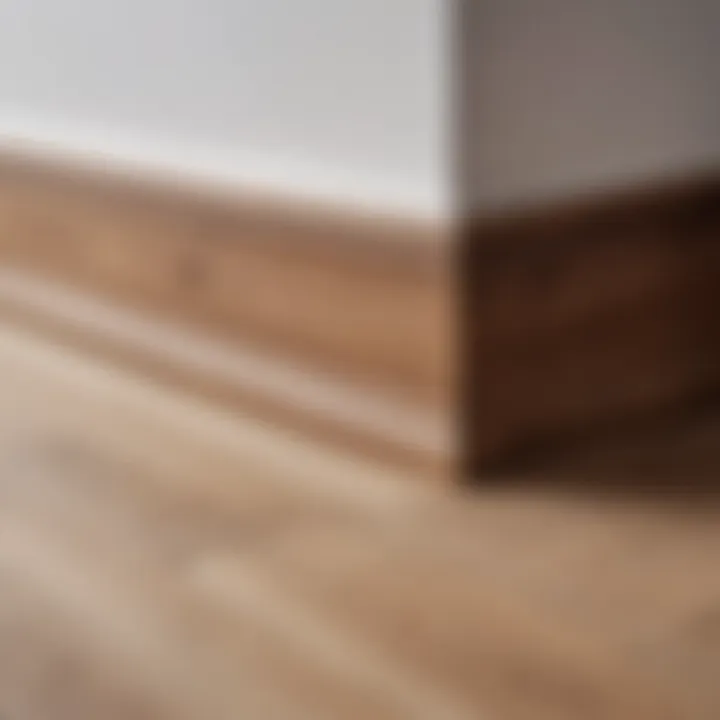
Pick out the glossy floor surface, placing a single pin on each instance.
(159, 560)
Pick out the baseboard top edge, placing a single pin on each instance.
(41, 159)
(667, 190)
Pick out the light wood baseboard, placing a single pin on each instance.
(337, 325)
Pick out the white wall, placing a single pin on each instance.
(341, 99)
(350, 99)
(571, 95)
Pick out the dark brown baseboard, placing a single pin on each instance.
(588, 313)
(355, 308)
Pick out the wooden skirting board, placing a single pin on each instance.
(336, 324)
(589, 315)
(436, 349)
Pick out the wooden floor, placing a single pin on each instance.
(159, 560)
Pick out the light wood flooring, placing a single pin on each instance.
(160, 560)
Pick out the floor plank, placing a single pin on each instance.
(159, 559)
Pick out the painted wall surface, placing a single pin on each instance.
(331, 98)
(351, 100)
(570, 95)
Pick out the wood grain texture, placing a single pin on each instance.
(162, 559)
(589, 313)
(559, 321)
(362, 301)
